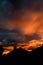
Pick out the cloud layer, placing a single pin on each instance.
(16, 36)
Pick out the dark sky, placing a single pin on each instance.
(7, 7)
(18, 4)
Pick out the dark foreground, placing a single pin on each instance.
(21, 56)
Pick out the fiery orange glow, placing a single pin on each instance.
(29, 46)
(7, 49)
(29, 23)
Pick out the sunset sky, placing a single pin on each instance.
(25, 16)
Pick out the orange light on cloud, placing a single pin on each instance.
(7, 50)
(29, 23)
(29, 46)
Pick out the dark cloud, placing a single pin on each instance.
(16, 36)
(7, 7)
(10, 36)
(31, 4)
(32, 37)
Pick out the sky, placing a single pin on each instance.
(8, 7)
(26, 16)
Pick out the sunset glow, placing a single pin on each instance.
(27, 24)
